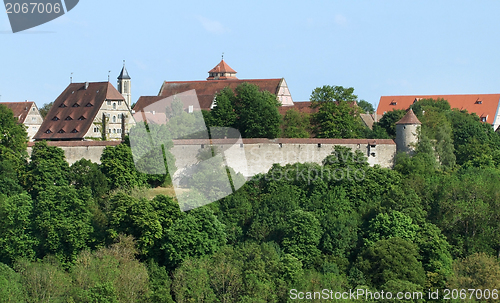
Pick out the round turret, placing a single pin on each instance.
(407, 132)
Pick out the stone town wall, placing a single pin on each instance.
(249, 156)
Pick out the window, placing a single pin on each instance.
(109, 131)
(114, 130)
(114, 105)
(48, 131)
(119, 130)
(55, 118)
(89, 105)
(109, 102)
(190, 110)
(74, 131)
(33, 109)
(33, 118)
(114, 119)
(96, 130)
(62, 105)
(393, 103)
(483, 119)
(76, 105)
(81, 118)
(68, 118)
(119, 103)
(61, 131)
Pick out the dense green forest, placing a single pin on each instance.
(90, 233)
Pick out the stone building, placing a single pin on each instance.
(407, 132)
(26, 113)
(77, 114)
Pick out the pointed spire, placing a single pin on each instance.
(124, 73)
(409, 118)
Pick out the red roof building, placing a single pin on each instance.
(77, 113)
(220, 76)
(26, 113)
(486, 106)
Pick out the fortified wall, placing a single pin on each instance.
(248, 156)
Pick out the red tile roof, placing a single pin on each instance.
(20, 109)
(74, 111)
(222, 67)
(409, 118)
(301, 107)
(205, 90)
(484, 105)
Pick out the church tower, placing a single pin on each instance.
(406, 132)
(124, 85)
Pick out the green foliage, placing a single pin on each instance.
(11, 288)
(223, 114)
(258, 115)
(86, 174)
(117, 164)
(328, 93)
(477, 271)
(196, 234)
(44, 281)
(110, 274)
(62, 223)
(48, 167)
(16, 239)
(13, 134)
(392, 259)
(366, 106)
(388, 122)
(296, 124)
(389, 225)
(302, 234)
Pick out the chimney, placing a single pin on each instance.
(86, 85)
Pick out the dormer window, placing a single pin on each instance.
(68, 118)
(61, 131)
(74, 131)
(62, 105)
(479, 101)
(55, 118)
(81, 118)
(483, 119)
(76, 105)
(393, 103)
(48, 131)
(89, 105)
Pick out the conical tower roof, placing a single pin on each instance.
(409, 118)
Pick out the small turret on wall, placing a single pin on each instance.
(407, 132)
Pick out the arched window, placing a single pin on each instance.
(114, 119)
(114, 105)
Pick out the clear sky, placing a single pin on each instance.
(378, 47)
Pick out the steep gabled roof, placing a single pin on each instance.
(409, 118)
(20, 109)
(74, 110)
(484, 105)
(206, 90)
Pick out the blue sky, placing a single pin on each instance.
(377, 47)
